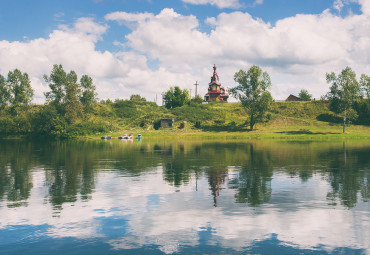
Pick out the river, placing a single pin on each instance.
(185, 197)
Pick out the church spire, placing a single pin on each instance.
(215, 78)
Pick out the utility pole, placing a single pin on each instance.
(196, 87)
(162, 98)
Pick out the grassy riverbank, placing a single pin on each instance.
(287, 120)
(299, 120)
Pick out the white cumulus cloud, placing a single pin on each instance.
(169, 48)
(218, 3)
(296, 51)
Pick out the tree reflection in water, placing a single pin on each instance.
(71, 167)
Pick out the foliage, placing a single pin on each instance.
(57, 81)
(304, 95)
(7, 125)
(300, 109)
(194, 113)
(362, 108)
(137, 98)
(87, 128)
(4, 92)
(21, 92)
(71, 99)
(197, 100)
(175, 97)
(365, 85)
(88, 94)
(138, 113)
(48, 122)
(253, 93)
(344, 91)
(72, 104)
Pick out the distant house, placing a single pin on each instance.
(167, 122)
(293, 98)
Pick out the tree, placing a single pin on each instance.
(197, 99)
(344, 91)
(137, 98)
(21, 92)
(72, 104)
(88, 96)
(253, 93)
(57, 81)
(47, 121)
(175, 97)
(304, 95)
(365, 85)
(4, 92)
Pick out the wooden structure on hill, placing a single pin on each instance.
(215, 91)
(167, 122)
(293, 98)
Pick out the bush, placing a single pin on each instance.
(157, 124)
(48, 122)
(362, 107)
(87, 128)
(7, 126)
(329, 117)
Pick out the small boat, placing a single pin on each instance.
(106, 137)
(123, 137)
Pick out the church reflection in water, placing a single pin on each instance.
(189, 196)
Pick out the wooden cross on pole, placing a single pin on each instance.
(196, 86)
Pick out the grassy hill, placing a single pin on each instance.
(285, 119)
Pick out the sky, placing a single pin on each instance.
(146, 46)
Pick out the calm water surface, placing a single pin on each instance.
(185, 197)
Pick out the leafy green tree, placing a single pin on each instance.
(304, 95)
(57, 81)
(48, 122)
(197, 99)
(365, 85)
(175, 97)
(88, 95)
(344, 91)
(137, 98)
(21, 92)
(67, 95)
(4, 92)
(253, 93)
(72, 104)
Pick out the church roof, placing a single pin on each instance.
(215, 79)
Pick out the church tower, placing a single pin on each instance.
(215, 91)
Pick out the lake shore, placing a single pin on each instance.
(309, 133)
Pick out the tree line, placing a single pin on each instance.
(348, 97)
(15, 91)
(71, 102)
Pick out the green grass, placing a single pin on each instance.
(287, 120)
(298, 120)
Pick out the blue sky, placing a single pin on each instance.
(30, 19)
(146, 46)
